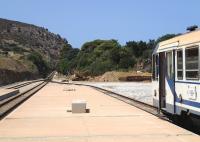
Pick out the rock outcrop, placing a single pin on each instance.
(19, 40)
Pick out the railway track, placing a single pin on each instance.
(141, 105)
(17, 86)
(10, 103)
(146, 107)
(23, 84)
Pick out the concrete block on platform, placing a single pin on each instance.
(79, 106)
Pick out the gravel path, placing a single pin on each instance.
(138, 90)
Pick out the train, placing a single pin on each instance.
(176, 77)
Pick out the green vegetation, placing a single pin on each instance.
(41, 64)
(41, 51)
(98, 56)
(67, 60)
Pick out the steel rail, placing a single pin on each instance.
(8, 104)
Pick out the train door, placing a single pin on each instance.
(166, 81)
(170, 81)
(162, 66)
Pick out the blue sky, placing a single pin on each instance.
(85, 20)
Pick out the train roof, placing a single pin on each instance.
(190, 38)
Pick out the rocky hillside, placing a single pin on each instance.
(28, 49)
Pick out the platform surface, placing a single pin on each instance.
(46, 117)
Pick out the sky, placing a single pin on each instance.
(80, 21)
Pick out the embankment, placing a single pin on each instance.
(9, 76)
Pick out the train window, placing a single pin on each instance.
(179, 64)
(155, 67)
(170, 72)
(192, 61)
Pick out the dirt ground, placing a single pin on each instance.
(115, 76)
(111, 76)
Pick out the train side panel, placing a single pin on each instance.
(188, 97)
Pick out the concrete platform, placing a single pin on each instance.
(4, 93)
(45, 117)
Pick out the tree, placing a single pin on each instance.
(67, 58)
(63, 66)
(126, 59)
(136, 48)
(40, 63)
(98, 56)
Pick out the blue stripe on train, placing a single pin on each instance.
(187, 102)
(178, 100)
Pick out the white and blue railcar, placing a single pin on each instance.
(176, 75)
